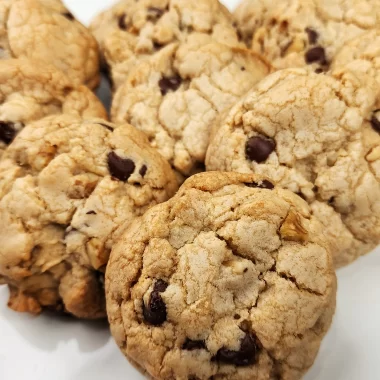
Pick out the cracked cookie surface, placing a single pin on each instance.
(30, 90)
(68, 188)
(304, 32)
(177, 96)
(310, 134)
(230, 279)
(134, 30)
(45, 30)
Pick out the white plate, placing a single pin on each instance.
(51, 348)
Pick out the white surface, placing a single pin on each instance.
(52, 348)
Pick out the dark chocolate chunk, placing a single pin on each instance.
(319, 70)
(155, 312)
(316, 54)
(191, 345)
(312, 36)
(120, 168)
(169, 84)
(91, 212)
(375, 122)
(69, 16)
(157, 46)
(247, 355)
(264, 184)
(143, 170)
(121, 22)
(7, 131)
(259, 148)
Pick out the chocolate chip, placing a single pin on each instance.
(155, 312)
(120, 168)
(91, 213)
(242, 68)
(264, 184)
(312, 35)
(169, 84)
(247, 355)
(121, 22)
(143, 170)
(316, 54)
(154, 13)
(106, 126)
(319, 70)
(7, 132)
(258, 148)
(191, 345)
(69, 16)
(157, 46)
(375, 122)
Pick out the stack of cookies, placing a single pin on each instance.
(241, 167)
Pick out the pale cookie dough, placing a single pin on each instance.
(297, 33)
(68, 189)
(231, 279)
(30, 90)
(132, 30)
(308, 132)
(45, 30)
(178, 95)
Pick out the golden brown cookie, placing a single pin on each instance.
(45, 30)
(30, 90)
(68, 188)
(310, 133)
(231, 279)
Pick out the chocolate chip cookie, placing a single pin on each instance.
(30, 90)
(133, 30)
(177, 95)
(45, 30)
(230, 279)
(68, 188)
(310, 133)
(298, 33)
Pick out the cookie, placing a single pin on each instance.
(68, 189)
(30, 90)
(309, 133)
(230, 279)
(130, 31)
(304, 32)
(45, 30)
(361, 56)
(177, 95)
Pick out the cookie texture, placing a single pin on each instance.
(304, 32)
(179, 94)
(45, 30)
(132, 30)
(68, 188)
(30, 90)
(310, 133)
(230, 279)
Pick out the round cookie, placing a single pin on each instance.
(30, 90)
(298, 33)
(68, 189)
(130, 31)
(45, 30)
(230, 279)
(309, 133)
(177, 95)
